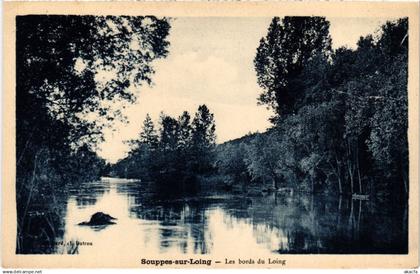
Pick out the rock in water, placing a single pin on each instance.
(99, 218)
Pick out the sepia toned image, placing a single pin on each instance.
(158, 135)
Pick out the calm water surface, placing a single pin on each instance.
(227, 224)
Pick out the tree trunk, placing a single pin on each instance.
(405, 186)
(336, 170)
(340, 186)
(358, 172)
(351, 176)
(339, 212)
(351, 217)
(312, 185)
(404, 176)
(350, 167)
(31, 188)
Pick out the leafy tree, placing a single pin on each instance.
(263, 159)
(169, 133)
(231, 162)
(70, 70)
(203, 128)
(148, 134)
(141, 156)
(281, 56)
(203, 139)
(388, 136)
(61, 61)
(185, 131)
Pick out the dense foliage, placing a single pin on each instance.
(290, 44)
(70, 70)
(174, 156)
(340, 121)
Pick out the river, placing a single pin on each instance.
(226, 224)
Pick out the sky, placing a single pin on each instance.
(210, 62)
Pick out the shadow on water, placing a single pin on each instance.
(274, 223)
(322, 225)
(41, 225)
(87, 194)
(183, 222)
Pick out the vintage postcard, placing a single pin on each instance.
(210, 135)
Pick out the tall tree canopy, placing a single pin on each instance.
(71, 69)
(203, 139)
(281, 56)
(341, 116)
(148, 134)
(203, 127)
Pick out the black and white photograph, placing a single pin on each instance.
(227, 139)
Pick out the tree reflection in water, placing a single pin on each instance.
(276, 223)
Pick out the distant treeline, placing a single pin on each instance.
(340, 122)
(173, 155)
